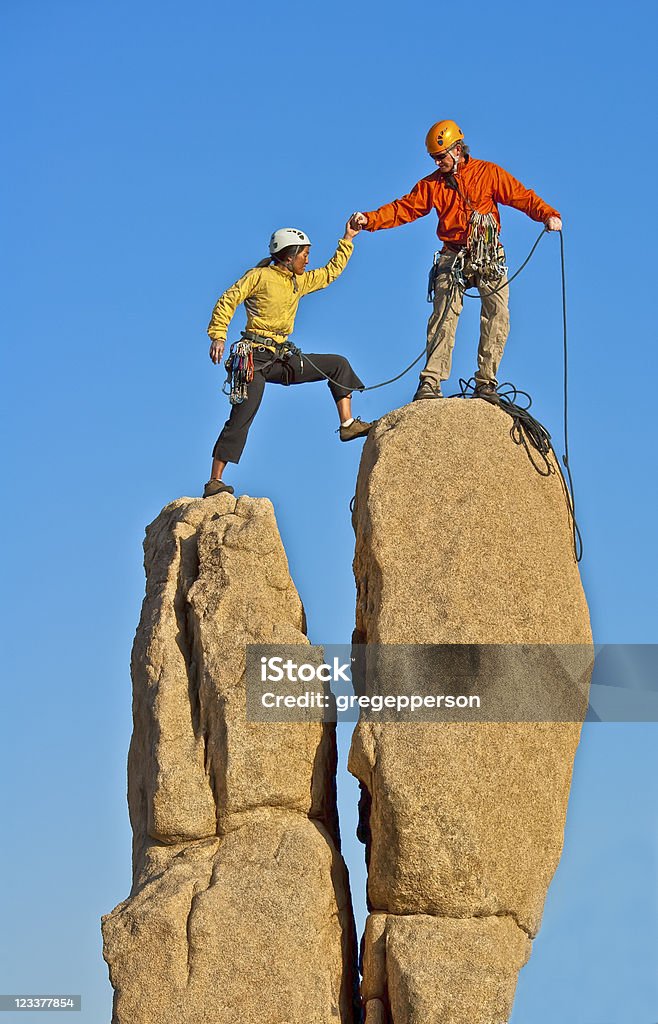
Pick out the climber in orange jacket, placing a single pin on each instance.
(465, 193)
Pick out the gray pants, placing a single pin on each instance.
(494, 325)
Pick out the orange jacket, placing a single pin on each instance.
(482, 185)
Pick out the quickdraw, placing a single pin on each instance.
(239, 371)
(482, 255)
(485, 253)
(240, 363)
(456, 271)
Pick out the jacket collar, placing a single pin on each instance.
(282, 270)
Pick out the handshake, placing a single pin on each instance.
(354, 225)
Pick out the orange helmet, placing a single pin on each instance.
(442, 136)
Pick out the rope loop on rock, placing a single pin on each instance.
(533, 436)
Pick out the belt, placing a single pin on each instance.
(281, 352)
(261, 341)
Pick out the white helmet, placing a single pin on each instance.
(284, 237)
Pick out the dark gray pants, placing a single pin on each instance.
(230, 443)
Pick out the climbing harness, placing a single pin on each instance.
(456, 271)
(239, 364)
(482, 256)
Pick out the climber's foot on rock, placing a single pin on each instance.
(357, 428)
(426, 389)
(216, 487)
(487, 390)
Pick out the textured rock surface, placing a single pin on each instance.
(430, 970)
(459, 540)
(240, 908)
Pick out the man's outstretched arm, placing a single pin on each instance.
(415, 204)
(511, 192)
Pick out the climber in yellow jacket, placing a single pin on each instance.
(271, 292)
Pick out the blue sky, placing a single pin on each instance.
(152, 150)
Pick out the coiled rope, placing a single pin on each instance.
(532, 435)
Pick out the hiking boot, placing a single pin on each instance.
(214, 487)
(487, 389)
(357, 428)
(426, 389)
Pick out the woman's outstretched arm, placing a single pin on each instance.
(313, 280)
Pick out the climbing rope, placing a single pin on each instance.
(529, 432)
(454, 286)
(577, 536)
(457, 283)
(525, 431)
(507, 283)
(391, 380)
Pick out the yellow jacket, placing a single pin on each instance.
(269, 296)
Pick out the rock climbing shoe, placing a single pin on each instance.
(216, 487)
(487, 390)
(426, 389)
(357, 428)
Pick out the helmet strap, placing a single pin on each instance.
(287, 263)
(450, 177)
